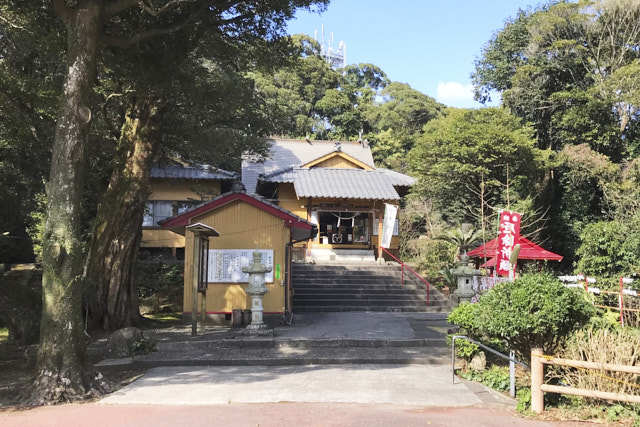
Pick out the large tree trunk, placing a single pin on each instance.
(113, 301)
(62, 373)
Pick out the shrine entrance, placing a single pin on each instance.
(344, 229)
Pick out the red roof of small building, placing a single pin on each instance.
(184, 219)
(528, 250)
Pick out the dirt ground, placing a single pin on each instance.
(16, 377)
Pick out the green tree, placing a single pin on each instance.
(94, 27)
(302, 95)
(30, 78)
(469, 148)
(397, 120)
(557, 67)
(610, 248)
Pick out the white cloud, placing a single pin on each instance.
(455, 94)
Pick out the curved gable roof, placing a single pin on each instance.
(292, 153)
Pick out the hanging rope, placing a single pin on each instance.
(352, 218)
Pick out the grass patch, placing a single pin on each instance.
(165, 317)
(4, 334)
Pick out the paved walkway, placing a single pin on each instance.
(422, 385)
(265, 415)
(366, 325)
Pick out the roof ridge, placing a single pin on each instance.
(313, 141)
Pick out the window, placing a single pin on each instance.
(157, 210)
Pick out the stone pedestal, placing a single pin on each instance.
(256, 291)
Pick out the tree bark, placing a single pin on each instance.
(62, 373)
(113, 302)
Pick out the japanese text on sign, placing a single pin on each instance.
(225, 265)
(508, 237)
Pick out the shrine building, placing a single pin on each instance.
(334, 185)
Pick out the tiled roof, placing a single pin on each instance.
(398, 179)
(192, 172)
(290, 153)
(343, 184)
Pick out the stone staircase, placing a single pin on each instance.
(360, 287)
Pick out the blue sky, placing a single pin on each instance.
(430, 44)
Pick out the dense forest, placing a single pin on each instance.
(92, 95)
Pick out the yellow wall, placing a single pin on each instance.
(183, 189)
(288, 200)
(241, 226)
(152, 238)
(337, 162)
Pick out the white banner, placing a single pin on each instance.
(225, 265)
(388, 223)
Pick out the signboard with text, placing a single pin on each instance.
(225, 265)
(508, 237)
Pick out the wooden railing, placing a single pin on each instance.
(404, 266)
(620, 294)
(538, 387)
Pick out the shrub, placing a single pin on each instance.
(535, 310)
(496, 377)
(464, 316)
(620, 346)
(609, 248)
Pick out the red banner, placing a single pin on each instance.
(508, 237)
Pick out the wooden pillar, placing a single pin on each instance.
(203, 309)
(380, 219)
(537, 379)
(194, 288)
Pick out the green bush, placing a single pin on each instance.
(610, 248)
(535, 310)
(464, 316)
(496, 377)
(464, 349)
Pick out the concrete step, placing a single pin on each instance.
(344, 267)
(325, 288)
(420, 355)
(342, 308)
(365, 305)
(358, 256)
(347, 281)
(356, 290)
(347, 287)
(284, 344)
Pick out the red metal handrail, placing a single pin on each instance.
(403, 266)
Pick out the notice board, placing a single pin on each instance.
(225, 265)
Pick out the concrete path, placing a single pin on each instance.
(365, 325)
(420, 385)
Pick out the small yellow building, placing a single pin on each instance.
(174, 190)
(245, 223)
(332, 184)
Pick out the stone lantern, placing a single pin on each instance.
(256, 291)
(464, 273)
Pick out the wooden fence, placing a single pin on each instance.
(538, 387)
(582, 281)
